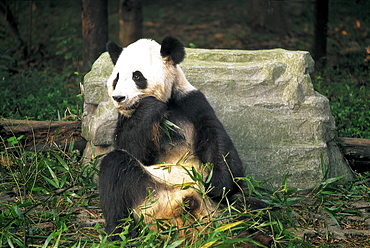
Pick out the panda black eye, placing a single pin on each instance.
(137, 75)
(139, 79)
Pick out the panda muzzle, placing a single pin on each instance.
(120, 99)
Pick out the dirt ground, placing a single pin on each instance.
(321, 230)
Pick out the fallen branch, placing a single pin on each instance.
(42, 135)
(356, 151)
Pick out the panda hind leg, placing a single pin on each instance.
(123, 185)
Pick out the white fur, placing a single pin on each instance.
(181, 86)
(168, 203)
(144, 56)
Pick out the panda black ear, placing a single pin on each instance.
(114, 51)
(173, 48)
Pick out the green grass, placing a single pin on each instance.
(41, 194)
(48, 199)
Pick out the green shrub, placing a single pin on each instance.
(349, 96)
(39, 95)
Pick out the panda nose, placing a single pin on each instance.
(119, 98)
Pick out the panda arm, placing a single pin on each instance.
(139, 133)
(212, 143)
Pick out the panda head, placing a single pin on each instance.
(144, 69)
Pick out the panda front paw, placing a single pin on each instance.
(150, 107)
(149, 101)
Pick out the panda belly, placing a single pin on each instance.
(178, 194)
(172, 173)
(177, 157)
(178, 202)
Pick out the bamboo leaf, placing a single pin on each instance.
(176, 243)
(228, 226)
(209, 244)
(62, 162)
(181, 185)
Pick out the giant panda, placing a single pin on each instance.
(167, 135)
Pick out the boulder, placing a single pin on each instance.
(266, 101)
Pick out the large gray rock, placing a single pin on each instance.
(266, 101)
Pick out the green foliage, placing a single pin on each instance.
(68, 46)
(41, 195)
(40, 95)
(44, 83)
(349, 95)
(44, 195)
(298, 210)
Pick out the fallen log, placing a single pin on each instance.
(356, 151)
(43, 135)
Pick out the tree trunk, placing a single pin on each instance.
(8, 17)
(94, 29)
(321, 32)
(130, 21)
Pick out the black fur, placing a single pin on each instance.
(135, 134)
(212, 143)
(115, 81)
(173, 48)
(114, 51)
(123, 184)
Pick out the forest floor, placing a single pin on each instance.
(322, 230)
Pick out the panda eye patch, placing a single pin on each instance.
(139, 79)
(115, 81)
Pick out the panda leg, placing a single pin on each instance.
(123, 185)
